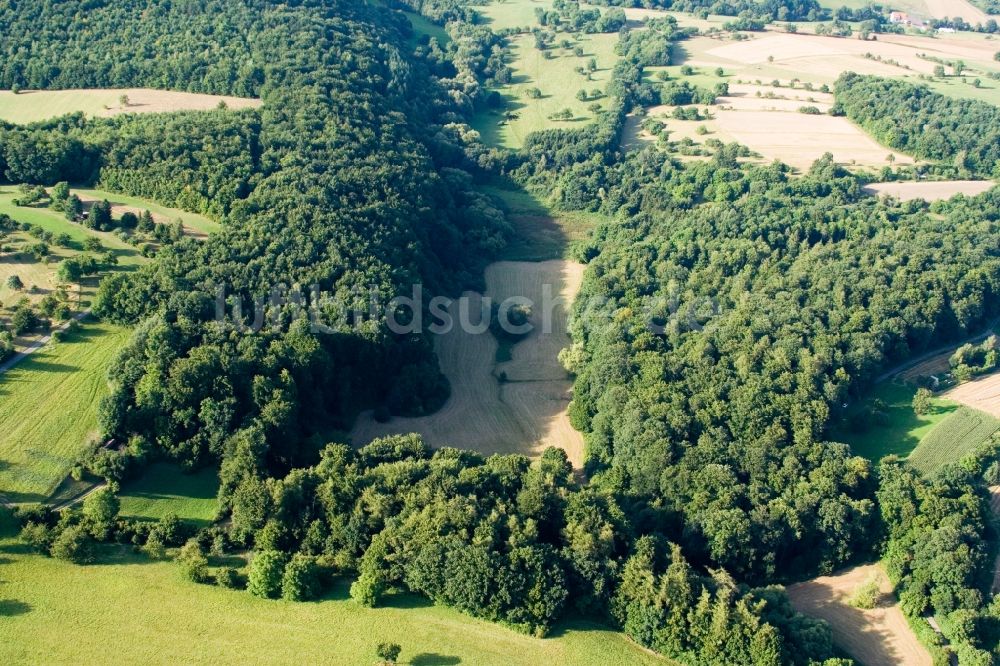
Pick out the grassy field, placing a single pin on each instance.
(161, 214)
(57, 223)
(128, 610)
(540, 233)
(988, 90)
(955, 436)
(422, 26)
(502, 14)
(164, 489)
(903, 430)
(34, 105)
(48, 409)
(558, 82)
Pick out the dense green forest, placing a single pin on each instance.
(964, 133)
(729, 312)
(203, 162)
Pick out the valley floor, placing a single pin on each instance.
(500, 404)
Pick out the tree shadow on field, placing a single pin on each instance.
(22, 498)
(405, 601)
(577, 624)
(432, 659)
(679, 54)
(11, 607)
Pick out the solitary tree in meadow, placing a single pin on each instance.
(922, 401)
(388, 653)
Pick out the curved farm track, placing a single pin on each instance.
(873, 637)
(515, 405)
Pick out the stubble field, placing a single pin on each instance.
(500, 405)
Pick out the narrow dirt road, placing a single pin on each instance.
(20, 356)
(873, 637)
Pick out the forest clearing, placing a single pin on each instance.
(498, 405)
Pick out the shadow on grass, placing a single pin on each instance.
(679, 54)
(112, 554)
(538, 233)
(899, 434)
(11, 607)
(23, 498)
(577, 624)
(433, 659)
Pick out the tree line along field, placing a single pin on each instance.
(34, 105)
(58, 613)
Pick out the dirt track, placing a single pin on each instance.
(875, 637)
(527, 412)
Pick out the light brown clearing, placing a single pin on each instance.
(33, 105)
(982, 393)
(930, 191)
(873, 637)
(799, 139)
(525, 414)
(746, 97)
(145, 100)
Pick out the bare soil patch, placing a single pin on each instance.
(510, 406)
(930, 191)
(873, 637)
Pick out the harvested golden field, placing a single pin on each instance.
(799, 139)
(963, 9)
(982, 394)
(500, 405)
(873, 637)
(778, 55)
(929, 191)
(34, 105)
